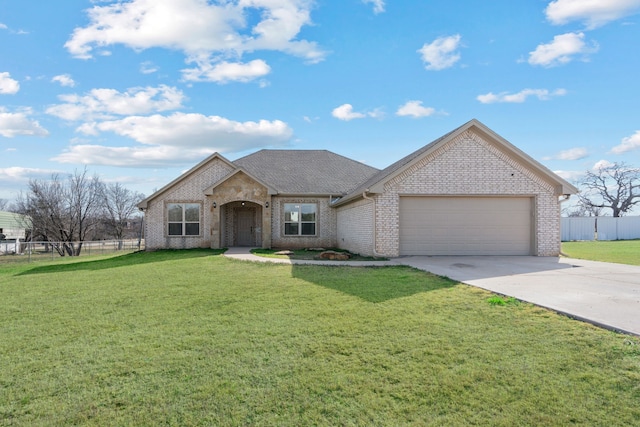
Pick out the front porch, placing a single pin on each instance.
(242, 223)
(240, 212)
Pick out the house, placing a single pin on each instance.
(470, 192)
(12, 231)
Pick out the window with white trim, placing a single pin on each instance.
(183, 219)
(300, 219)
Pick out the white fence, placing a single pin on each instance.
(10, 246)
(600, 228)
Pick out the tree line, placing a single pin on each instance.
(69, 210)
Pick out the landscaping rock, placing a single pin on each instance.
(284, 253)
(334, 256)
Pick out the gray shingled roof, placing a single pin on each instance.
(306, 171)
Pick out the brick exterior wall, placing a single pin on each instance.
(469, 165)
(325, 224)
(217, 224)
(355, 226)
(189, 190)
(465, 166)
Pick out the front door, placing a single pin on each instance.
(246, 227)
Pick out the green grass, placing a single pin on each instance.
(192, 338)
(42, 256)
(619, 251)
(306, 254)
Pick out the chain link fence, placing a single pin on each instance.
(19, 251)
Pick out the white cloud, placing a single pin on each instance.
(593, 12)
(20, 174)
(345, 112)
(189, 25)
(629, 143)
(441, 53)
(148, 67)
(8, 86)
(19, 123)
(206, 32)
(18, 32)
(178, 138)
(415, 109)
(225, 72)
(602, 164)
(561, 50)
(577, 153)
(105, 103)
(196, 130)
(570, 176)
(378, 5)
(541, 94)
(64, 80)
(130, 156)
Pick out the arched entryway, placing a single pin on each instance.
(242, 224)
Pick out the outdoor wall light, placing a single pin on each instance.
(242, 203)
(214, 205)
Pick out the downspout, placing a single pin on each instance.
(375, 225)
(141, 229)
(563, 199)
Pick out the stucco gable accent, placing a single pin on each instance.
(185, 176)
(209, 191)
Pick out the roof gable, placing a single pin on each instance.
(188, 174)
(376, 183)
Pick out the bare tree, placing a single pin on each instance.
(4, 204)
(580, 209)
(616, 187)
(119, 207)
(63, 212)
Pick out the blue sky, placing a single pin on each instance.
(141, 90)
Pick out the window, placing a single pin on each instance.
(183, 219)
(300, 219)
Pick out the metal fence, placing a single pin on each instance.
(12, 251)
(600, 228)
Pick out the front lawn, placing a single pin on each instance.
(192, 338)
(620, 251)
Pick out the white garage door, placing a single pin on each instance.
(465, 225)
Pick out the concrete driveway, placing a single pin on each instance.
(602, 293)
